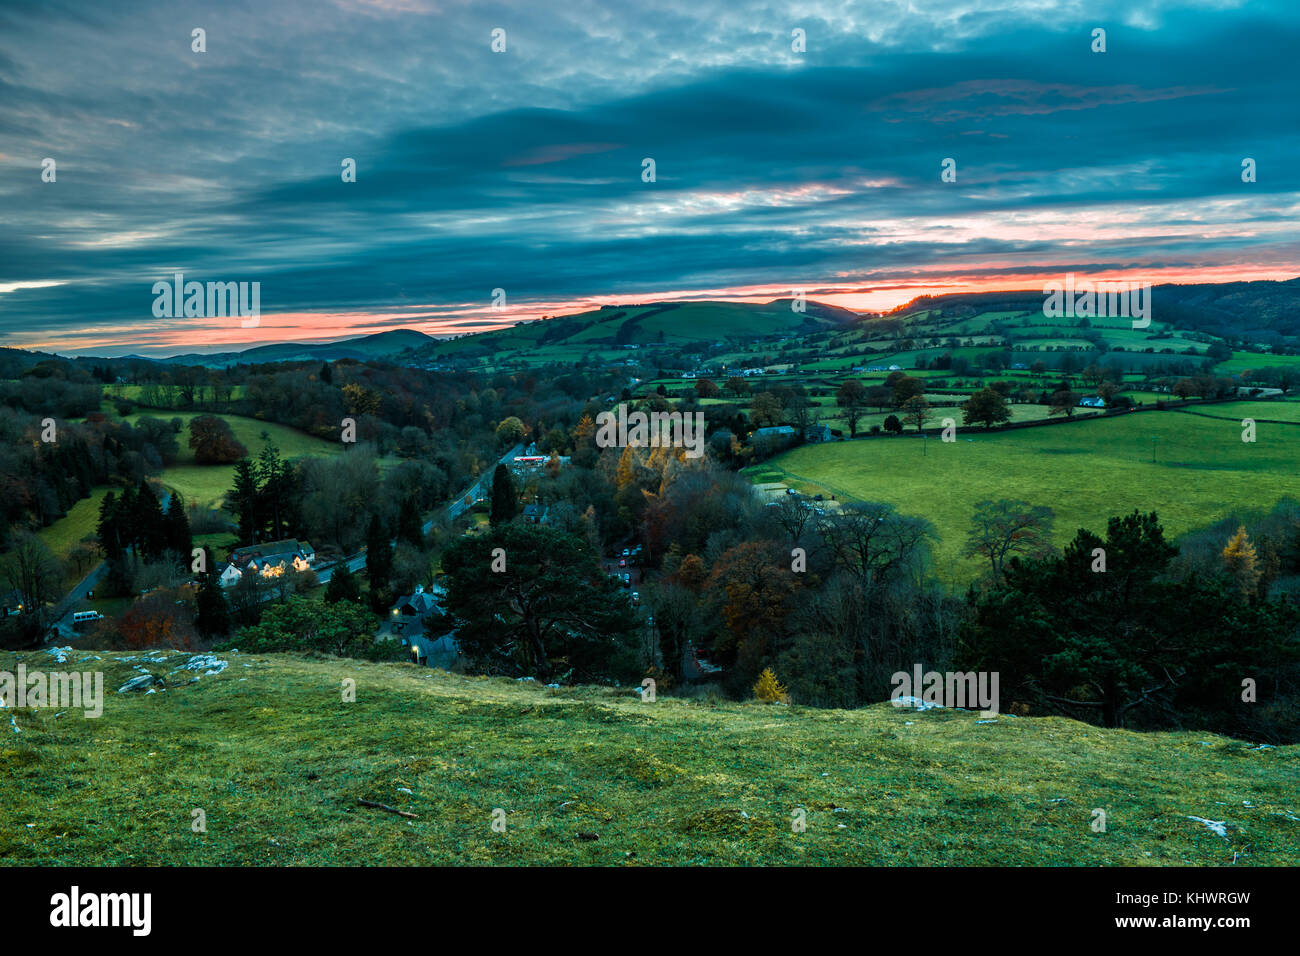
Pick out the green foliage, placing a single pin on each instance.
(551, 610)
(505, 500)
(1129, 645)
(300, 624)
(342, 586)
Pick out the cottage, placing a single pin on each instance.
(269, 559)
(535, 514)
(817, 433)
(1092, 401)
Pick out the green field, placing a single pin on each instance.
(587, 775)
(1086, 470)
(208, 484)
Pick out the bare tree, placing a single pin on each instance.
(1007, 527)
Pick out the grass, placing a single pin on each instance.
(277, 763)
(208, 484)
(82, 519)
(1086, 471)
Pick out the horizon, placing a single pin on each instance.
(534, 314)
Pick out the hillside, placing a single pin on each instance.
(568, 337)
(380, 345)
(593, 776)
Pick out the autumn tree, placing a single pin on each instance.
(1240, 559)
(214, 441)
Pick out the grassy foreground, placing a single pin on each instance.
(275, 759)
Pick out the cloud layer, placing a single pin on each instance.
(522, 170)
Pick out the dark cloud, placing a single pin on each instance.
(523, 170)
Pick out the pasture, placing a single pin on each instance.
(1189, 468)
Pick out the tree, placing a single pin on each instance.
(737, 386)
(211, 612)
(409, 528)
(766, 409)
(214, 441)
(985, 407)
(905, 389)
(109, 528)
(245, 500)
(545, 606)
(916, 411)
(706, 388)
(751, 594)
(505, 500)
(1006, 527)
(1127, 640)
(511, 431)
(148, 523)
(379, 564)
(31, 569)
(343, 586)
(327, 374)
(1063, 402)
(1240, 559)
(894, 425)
(176, 530)
(852, 397)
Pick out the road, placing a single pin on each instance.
(61, 625)
(481, 488)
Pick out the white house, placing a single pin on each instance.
(269, 559)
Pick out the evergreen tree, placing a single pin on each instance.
(211, 612)
(177, 530)
(244, 500)
(343, 586)
(505, 500)
(408, 524)
(271, 470)
(125, 519)
(327, 374)
(379, 564)
(110, 534)
(148, 519)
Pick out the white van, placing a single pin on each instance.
(85, 617)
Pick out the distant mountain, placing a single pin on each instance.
(669, 323)
(380, 345)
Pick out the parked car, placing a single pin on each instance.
(636, 599)
(627, 580)
(791, 491)
(622, 562)
(626, 552)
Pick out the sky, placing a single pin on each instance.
(524, 170)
